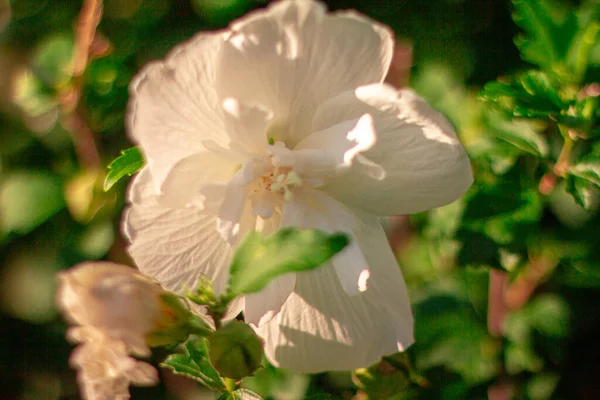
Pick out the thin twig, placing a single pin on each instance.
(83, 137)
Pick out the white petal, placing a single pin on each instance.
(425, 164)
(235, 203)
(261, 307)
(344, 143)
(247, 124)
(184, 183)
(321, 328)
(293, 56)
(314, 209)
(174, 105)
(230, 214)
(175, 246)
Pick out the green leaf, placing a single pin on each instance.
(579, 188)
(581, 49)
(52, 60)
(259, 259)
(588, 167)
(542, 386)
(530, 94)
(543, 89)
(587, 170)
(506, 212)
(27, 199)
(128, 163)
(195, 364)
(240, 394)
(549, 31)
(518, 133)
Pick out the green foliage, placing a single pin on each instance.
(259, 259)
(580, 190)
(384, 379)
(195, 364)
(240, 394)
(53, 60)
(235, 350)
(531, 94)
(556, 38)
(27, 199)
(588, 167)
(128, 163)
(518, 133)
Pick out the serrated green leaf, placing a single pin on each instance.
(549, 31)
(579, 54)
(580, 190)
(518, 133)
(543, 89)
(507, 212)
(128, 163)
(195, 364)
(240, 394)
(259, 259)
(588, 167)
(587, 170)
(531, 94)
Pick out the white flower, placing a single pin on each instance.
(113, 308)
(283, 120)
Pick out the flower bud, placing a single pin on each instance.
(116, 300)
(235, 350)
(116, 311)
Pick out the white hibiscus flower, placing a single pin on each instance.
(283, 120)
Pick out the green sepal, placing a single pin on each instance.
(128, 163)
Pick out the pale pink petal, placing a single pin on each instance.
(292, 54)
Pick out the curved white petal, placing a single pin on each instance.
(314, 209)
(175, 246)
(424, 163)
(247, 124)
(235, 217)
(321, 328)
(174, 105)
(344, 143)
(184, 184)
(295, 56)
(261, 307)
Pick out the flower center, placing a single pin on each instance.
(277, 183)
(281, 180)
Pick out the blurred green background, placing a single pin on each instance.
(58, 132)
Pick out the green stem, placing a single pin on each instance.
(230, 384)
(564, 158)
(199, 330)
